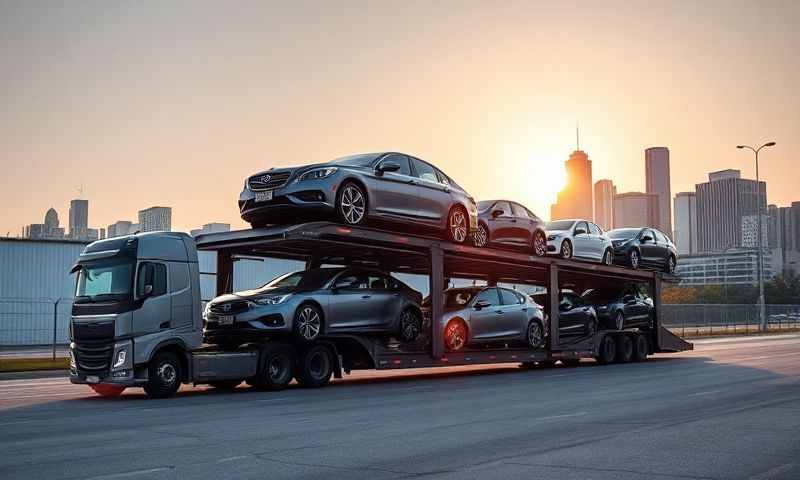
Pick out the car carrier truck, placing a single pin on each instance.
(137, 315)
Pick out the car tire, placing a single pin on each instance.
(351, 204)
(163, 375)
(624, 349)
(314, 367)
(535, 334)
(566, 251)
(641, 348)
(607, 351)
(634, 259)
(410, 325)
(669, 267)
(481, 236)
(278, 369)
(455, 335)
(539, 244)
(308, 323)
(225, 384)
(619, 321)
(608, 257)
(457, 225)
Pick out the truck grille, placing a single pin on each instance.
(93, 331)
(93, 358)
(233, 307)
(269, 180)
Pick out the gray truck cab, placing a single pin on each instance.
(136, 312)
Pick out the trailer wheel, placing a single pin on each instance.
(641, 347)
(608, 350)
(107, 390)
(314, 367)
(624, 349)
(163, 375)
(278, 369)
(225, 384)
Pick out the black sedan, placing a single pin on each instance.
(502, 222)
(577, 319)
(621, 308)
(643, 247)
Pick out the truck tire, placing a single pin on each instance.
(163, 375)
(314, 367)
(641, 348)
(607, 351)
(624, 349)
(278, 369)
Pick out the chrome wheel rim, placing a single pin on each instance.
(539, 245)
(352, 204)
(456, 336)
(458, 226)
(481, 236)
(534, 334)
(409, 326)
(309, 323)
(634, 259)
(167, 373)
(607, 258)
(566, 250)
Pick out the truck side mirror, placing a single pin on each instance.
(148, 290)
(147, 273)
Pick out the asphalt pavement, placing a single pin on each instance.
(728, 410)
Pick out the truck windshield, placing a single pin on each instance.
(104, 281)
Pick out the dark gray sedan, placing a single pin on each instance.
(379, 187)
(482, 315)
(316, 302)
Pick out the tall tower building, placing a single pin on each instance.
(656, 163)
(686, 223)
(78, 218)
(635, 209)
(722, 205)
(575, 200)
(155, 219)
(604, 191)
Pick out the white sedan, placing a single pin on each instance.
(581, 239)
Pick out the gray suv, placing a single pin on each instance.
(316, 302)
(379, 187)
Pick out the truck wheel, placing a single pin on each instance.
(608, 350)
(107, 390)
(163, 375)
(277, 371)
(624, 349)
(225, 384)
(314, 367)
(641, 348)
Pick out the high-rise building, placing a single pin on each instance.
(635, 209)
(119, 228)
(685, 234)
(733, 267)
(155, 219)
(656, 163)
(211, 228)
(783, 235)
(47, 230)
(604, 191)
(722, 203)
(78, 218)
(575, 200)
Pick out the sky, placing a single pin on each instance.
(176, 103)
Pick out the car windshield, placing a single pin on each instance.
(104, 280)
(305, 280)
(560, 225)
(485, 205)
(360, 160)
(623, 233)
(600, 295)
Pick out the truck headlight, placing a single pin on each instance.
(272, 300)
(317, 174)
(122, 355)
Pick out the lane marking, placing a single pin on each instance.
(699, 394)
(773, 472)
(131, 474)
(232, 459)
(579, 414)
(40, 396)
(268, 400)
(760, 357)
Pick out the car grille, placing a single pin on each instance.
(269, 180)
(93, 358)
(234, 307)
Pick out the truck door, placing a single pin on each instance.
(153, 310)
(180, 293)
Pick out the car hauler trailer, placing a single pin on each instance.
(172, 353)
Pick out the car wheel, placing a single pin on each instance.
(455, 335)
(619, 321)
(670, 266)
(107, 390)
(307, 323)
(625, 349)
(535, 335)
(225, 384)
(641, 348)
(633, 259)
(315, 367)
(607, 350)
(539, 244)
(481, 236)
(163, 375)
(566, 249)
(410, 325)
(352, 204)
(457, 227)
(608, 257)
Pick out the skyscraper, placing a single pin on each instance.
(119, 228)
(213, 227)
(604, 191)
(575, 200)
(686, 223)
(722, 203)
(656, 162)
(78, 218)
(635, 209)
(155, 219)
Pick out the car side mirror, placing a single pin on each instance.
(629, 299)
(388, 167)
(580, 231)
(565, 306)
(497, 212)
(481, 304)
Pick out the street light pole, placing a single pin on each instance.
(762, 305)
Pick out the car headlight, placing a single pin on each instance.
(272, 300)
(317, 174)
(550, 238)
